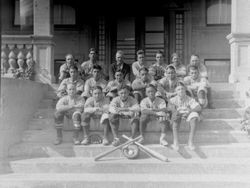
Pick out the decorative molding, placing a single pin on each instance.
(238, 37)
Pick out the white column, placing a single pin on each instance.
(239, 40)
(43, 40)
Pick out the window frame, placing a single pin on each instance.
(214, 24)
(207, 60)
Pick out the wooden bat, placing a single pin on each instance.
(116, 148)
(148, 151)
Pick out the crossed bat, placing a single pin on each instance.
(145, 149)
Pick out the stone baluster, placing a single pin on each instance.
(12, 60)
(20, 61)
(29, 60)
(4, 62)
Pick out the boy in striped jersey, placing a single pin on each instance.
(154, 108)
(96, 107)
(184, 107)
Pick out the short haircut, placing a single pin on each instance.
(195, 55)
(151, 86)
(174, 55)
(73, 67)
(152, 68)
(69, 55)
(124, 86)
(143, 69)
(120, 52)
(159, 52)
(171, 67)
(139, 52)
(98, 67)
(97, 87)
(71, 84)
(118, 70)
(193, 67)
(92, 50)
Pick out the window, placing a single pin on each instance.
(64, 15)
(218, 12)
(23, 13)
(218, 70)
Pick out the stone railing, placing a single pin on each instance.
(16, 55)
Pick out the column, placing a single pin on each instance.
(43, 48)
(239, 39)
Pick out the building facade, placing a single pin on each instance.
(217, 30)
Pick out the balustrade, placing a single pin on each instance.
(16, 56)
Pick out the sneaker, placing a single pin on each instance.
(175, 147)
(105, 142)
(76, 142)
(58, 141)
(116, 142)
(163, 142)
(85, 141)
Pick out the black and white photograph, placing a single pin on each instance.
(125, 94)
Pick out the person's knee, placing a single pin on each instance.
(58, 117)
(144, 118)
(113, 118)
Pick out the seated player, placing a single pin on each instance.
(73, 79)
(203, 72)
(120, 65)
(169, 83)
(197, 86)
(140, 63)
(123, 106)
(180, 68)
(160, 66)
(111, 88)
(154, 108)
(96, 80)
(96, 107)
(70, 106)
(64, 68)
(139, 84)
(87, 66)
(154, 81)
(184, 107)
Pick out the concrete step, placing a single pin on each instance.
(121, 166)
(66, 149)
(223, 86)
(228, 103)
(223, 113)
(218, 113)
(202, 136)
(226, 94)
(133, 180)
(206, 124)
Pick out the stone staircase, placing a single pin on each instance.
(222, 158)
